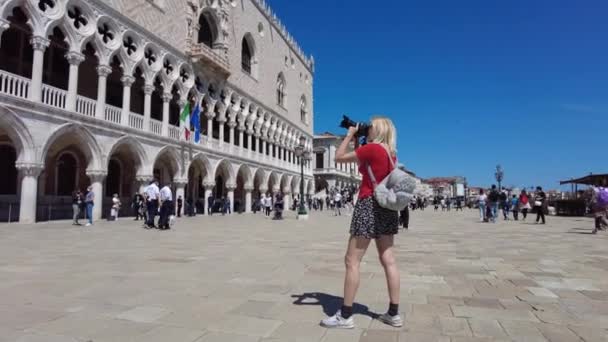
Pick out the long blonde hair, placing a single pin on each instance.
(385, 133)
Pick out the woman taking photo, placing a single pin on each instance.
(370, 221)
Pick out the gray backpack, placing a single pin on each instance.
(396, 190)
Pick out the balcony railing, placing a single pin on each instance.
(207, 57)
(14, 85)
(54, 97)
(156, 126)
(136, 121)
(113, 114)
(17, 86)
(86, 106)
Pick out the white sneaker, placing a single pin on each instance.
(87, 225)
(394, 321)
(339, 322)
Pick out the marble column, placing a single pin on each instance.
(148, 90)
(209, 115)
(231, 126)
(102, 82)
(97, 179)
(74, 59)
(221, 125)
(29, 191)
(180, 190)
(127, 82)
(230, 188)
(257, 142)
(39, 45)
(249, 140)
(262, 145)
(165, 124)
(286, 197)
(248, 200)
(241, 136)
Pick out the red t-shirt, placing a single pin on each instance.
(376, 156)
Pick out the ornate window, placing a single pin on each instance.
(303, 110)
(207, 32)
(246, 56)
(281, 92)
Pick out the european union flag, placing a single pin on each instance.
(195, 120)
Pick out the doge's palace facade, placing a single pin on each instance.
(91, 93)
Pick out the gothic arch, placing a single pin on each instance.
(134, 147)
(224, 168)
(19, 135)
(170, 155)
(245, 171)
(83, 137)
(202, 162)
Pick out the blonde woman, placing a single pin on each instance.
(370, 221)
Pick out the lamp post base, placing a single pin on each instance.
(302, 217)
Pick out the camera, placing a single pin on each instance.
(363, 130)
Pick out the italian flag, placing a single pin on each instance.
(183, 119)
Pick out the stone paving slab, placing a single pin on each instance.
(245, 278)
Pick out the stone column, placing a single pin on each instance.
(231, 126)
(39, 44)
(180, 191)
(257, 142)
(286, 196)
(230, 188)
(249, 140)
(209, 114)
(263, 189)
(248, 190)
(97, 179)
(165, 125)
(29, 191)
(127, 82)
(102, 81)
(241, 136)
(74, 59)
(262, 145)
(221, 132)
(148, 90)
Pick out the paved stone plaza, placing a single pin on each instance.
(246, 278)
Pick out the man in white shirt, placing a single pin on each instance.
(337, 203)
(166, 207)
(152, 195)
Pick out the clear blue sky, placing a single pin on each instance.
(469, 84)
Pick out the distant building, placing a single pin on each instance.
(327, 173)
(447, 186)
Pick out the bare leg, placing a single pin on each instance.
(384, 244)
(355, 252)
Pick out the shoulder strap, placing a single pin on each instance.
(369, 168)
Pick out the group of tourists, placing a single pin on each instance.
(447, 203)
(83, 203)
(492, 201)
(267, 204)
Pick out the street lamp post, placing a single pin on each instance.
(499, 176)
(303, 156)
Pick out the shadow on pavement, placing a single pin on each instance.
(331, 304)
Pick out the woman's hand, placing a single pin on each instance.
(352, 131)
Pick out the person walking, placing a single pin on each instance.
(89, 201)
(599, 204)
(370, 221)
(115, 207)
(166, 207)
(493, 199)
(180, 204)
(76, 204)
(136, 205)
(152, 196)
(539, 204)
(505, 204)
(210, 202)
(268, 205)
(482, 201)
(515, 207)
(337, 204)
(524, 204)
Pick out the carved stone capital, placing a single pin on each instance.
(104, 70)
(231, 124)
(209, 185)
(148, 89)
(287, 190)
(74, 58)
(144, 178)
(180, 182)
(241, 128)
(248, 188)
(263, 189)
(231, 186)
(96, 176)
(39, 43)
(127, 80)
(29, 169)
(167, 97)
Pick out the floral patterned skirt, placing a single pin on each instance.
(371, 221)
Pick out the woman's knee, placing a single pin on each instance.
(352, 261)
(387, 259)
